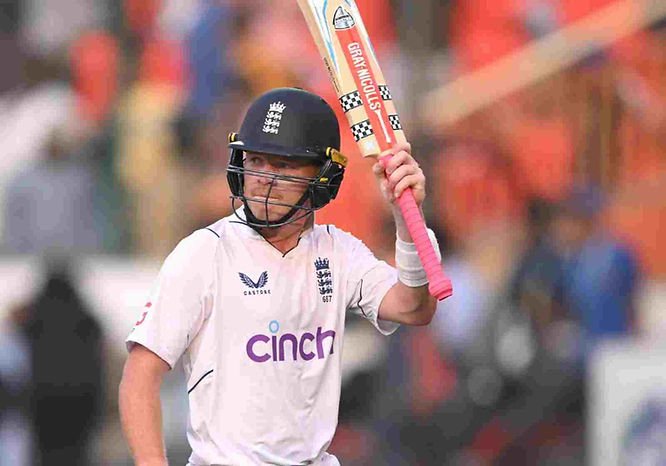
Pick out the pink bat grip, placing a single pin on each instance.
(439, 286)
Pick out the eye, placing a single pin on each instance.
(252, 160)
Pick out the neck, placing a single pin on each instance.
(285, 238)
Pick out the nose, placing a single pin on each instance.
(265, 179)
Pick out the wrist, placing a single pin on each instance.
(408, 263)
(402, 233)
(401, 229)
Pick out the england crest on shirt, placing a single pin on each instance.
(324, 279)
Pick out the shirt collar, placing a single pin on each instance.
(246, 231)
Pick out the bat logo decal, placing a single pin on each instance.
(342, 19)
(247, 281)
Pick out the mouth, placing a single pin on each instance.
(262, 200)
(262, 197)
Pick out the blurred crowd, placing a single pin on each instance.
(52, 380)
(548, 204)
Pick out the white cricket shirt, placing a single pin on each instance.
(260, 335)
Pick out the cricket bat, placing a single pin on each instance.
(349, 57)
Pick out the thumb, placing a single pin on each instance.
(378, 169)
(383, 186)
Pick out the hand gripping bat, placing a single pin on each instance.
(343, 43)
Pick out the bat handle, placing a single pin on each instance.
(439, 285)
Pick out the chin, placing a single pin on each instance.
(273, 214)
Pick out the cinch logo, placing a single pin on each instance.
(255, 288)
(261, 348)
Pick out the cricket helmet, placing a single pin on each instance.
(293, 123)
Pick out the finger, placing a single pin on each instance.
(400, 158)
(401, 172)
(378, 172)
(378, 169)
(416, 182)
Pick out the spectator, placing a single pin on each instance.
(534, 287)
(147, 147)
(15, 432)
(35, 101)
(601, 272)
(49, 207)
(48, 27)
(65, 341)
(10, 17)
(210, 63)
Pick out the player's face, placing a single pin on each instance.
(270, 198)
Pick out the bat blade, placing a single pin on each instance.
(343, 43)
(354, 70)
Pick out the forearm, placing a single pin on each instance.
(141, 418)
(417, 305)
(409, 300)
(408, 305)
(400, 226)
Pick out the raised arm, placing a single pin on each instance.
(408, 301)
(140, 407)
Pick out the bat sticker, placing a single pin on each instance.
(351, 101)
(342, 19)
(385, 92)
(362, 130)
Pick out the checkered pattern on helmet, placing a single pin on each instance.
(362, 130)
(351, 101)
(395, 122)
(385, 93)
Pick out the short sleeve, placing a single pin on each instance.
(368, 282)
(180, 300)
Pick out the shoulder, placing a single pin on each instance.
(335, 234)
(343, 244)
(193, 251)
(203, 240)
(220, 228)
